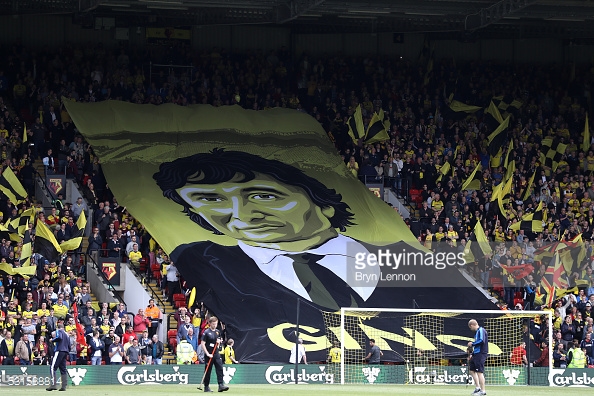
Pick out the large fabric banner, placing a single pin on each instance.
(258, 211)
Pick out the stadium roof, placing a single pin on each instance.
(571, 19)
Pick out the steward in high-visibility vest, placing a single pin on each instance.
(185, 352)
(578, 357)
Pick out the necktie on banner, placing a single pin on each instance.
(323, 286)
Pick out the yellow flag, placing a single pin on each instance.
(474, 181)
(529, 186)
(509, 150)
(77, 234)
(481, 238)
(510, 169)
(495, 161)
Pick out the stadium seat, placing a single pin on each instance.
(157, 275)
(179, 304)
(172, 338)
(143, 265)
(496, 285)
(179, 297)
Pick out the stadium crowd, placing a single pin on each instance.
(424, 135)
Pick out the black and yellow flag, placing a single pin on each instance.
(12, 187)
(509, 150)
(510, 169)
(574, 254)
(457, 107)
(492, 117)
(356, 127)
(563, 292)
(46, 244)
(495, 161)
(586, 142)
(528, 190)
(531, 222)
(17, 226)
(376, 131)
(478, 245)
(507, 104)
(77, 234)
(502, 195)
(498, 137)
(443, 171)
(474, 180)
(551, 153)
(26, 250)
(25, 137)
(429, 68)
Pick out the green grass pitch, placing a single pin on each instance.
(298, 390)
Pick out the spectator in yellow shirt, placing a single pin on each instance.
(134, 256)
(230, 352)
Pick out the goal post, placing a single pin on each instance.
(426, 346)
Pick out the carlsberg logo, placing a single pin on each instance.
(420, 375)
(275, 375)
(130, 376)
(571, 377)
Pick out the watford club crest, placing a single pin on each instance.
(109, 270)
(55, 184)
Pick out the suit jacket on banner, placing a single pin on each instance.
(232, 285)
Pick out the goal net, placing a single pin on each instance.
(430, 346)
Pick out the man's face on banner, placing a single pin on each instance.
(261, 210)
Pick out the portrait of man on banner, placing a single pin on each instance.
(257, 211)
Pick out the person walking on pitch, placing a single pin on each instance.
(211, 338)
(480, 350)
(62, 347)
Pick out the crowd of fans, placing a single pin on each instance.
(423, 136)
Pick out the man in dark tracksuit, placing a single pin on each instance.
(62, 347)
(210, 342)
